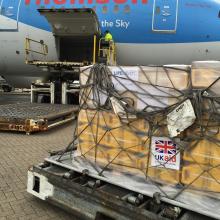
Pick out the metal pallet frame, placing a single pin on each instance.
(89, 198)
(33, 123)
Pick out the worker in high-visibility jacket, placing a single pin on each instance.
(108, 36)
(107, 43)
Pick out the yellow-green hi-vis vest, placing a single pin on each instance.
(108, 37)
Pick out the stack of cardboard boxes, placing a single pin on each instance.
(201, 157)
(106, 140)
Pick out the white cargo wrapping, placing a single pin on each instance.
(130, 132)
(150, 87)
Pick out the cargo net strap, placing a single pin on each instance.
(123, 122)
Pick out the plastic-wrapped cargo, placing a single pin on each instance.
(123, 129)
(139, 85)
(105, 140)
(205, 73)
(119, 145)
(159, 90)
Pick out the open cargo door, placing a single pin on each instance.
(74, 30)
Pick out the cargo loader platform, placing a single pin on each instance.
(72, 183)
(34, 117)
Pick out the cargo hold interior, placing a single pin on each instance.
(76, 48)
(74, 31)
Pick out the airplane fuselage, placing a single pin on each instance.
(145, 32)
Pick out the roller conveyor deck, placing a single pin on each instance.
(33, 117)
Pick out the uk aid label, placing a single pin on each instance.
(165, 153)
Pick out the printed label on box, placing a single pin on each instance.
(165, 153)
(122, 77)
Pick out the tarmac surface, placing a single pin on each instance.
(18, 153)
(11, 98)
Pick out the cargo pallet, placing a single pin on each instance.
(67, 183)
(34, 117)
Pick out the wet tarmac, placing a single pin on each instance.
(18, 153)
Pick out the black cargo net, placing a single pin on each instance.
(122, 113)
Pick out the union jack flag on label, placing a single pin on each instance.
(164, 153)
